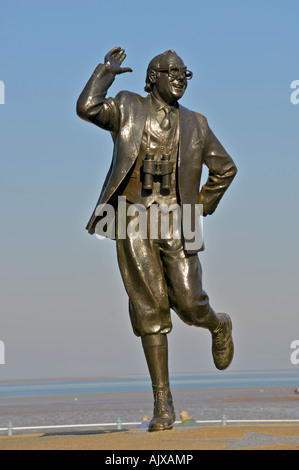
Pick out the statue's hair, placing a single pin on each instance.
(155, 63)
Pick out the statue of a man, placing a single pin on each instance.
(159, 150)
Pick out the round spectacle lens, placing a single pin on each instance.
(175, 72)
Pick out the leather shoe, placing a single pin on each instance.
(164, 415)
(223, 346)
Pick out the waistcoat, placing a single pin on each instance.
(156, 143)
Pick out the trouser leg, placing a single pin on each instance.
(187, 298)
(144, 280)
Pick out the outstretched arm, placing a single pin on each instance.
(92, 104)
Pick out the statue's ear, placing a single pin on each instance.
(152, 76)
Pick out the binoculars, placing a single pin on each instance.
(153, 168)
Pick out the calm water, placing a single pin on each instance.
(137, 384)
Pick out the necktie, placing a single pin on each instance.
(165, 124)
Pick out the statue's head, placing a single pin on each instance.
(167, 75)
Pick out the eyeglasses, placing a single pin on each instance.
(175, 72)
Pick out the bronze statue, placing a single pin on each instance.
(159, 150)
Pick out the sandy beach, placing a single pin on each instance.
(276, 403)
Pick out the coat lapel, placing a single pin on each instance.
(139, 120)
(186, 133)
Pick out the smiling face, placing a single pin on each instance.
(165, 85)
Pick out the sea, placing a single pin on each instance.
(206, 396)
(82, 386)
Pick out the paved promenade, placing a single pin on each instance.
(229, 437)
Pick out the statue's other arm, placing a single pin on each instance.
(222, 171)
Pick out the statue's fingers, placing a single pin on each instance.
(111, 54)
(122, 57)
(115, 50)
(126, 69)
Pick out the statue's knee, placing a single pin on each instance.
(191, 312)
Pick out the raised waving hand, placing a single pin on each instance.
(114, 59)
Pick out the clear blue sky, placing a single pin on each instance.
(63, 306)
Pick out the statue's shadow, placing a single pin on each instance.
(83, 432)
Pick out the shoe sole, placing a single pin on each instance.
(166, 427)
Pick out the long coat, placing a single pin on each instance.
(125, 116)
